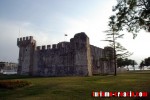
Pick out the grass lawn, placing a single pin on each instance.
(76, 88)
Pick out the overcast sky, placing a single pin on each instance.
(49, 20)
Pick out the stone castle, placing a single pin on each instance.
(74, 58)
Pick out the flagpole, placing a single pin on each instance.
(19, 33)
(65, 35)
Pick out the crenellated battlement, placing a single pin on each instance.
(59, 46)
(25, 40)
(38, 47)
(54, 46)
(48, 47)
(44, 47)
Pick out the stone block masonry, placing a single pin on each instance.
(74, 58)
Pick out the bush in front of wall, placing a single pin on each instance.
(12, 84)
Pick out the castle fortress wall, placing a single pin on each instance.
(74, 58)
(97, 63)
(55, 61)
(102, 62)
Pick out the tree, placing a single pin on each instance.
(126, 62)
(112, 36)
(121, 52)
(133, 63)
(120, 62)
(112, 39)
(141, 65)
(132, 15)
(147, 61)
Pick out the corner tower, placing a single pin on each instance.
(26, 52)
(109, 66)
(82, 57)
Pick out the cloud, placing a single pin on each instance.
(93, 25)
(94, 29)
(51, 27)
(8, 42)
(139, 45)
(10, 32)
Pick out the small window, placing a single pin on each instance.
(26, 49)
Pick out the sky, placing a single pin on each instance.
(48, 20)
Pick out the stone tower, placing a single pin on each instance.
(26, 53)
(82, 57)
(109, 55)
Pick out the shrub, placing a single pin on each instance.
(12, 84)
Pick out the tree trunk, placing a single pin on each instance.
(127, 68)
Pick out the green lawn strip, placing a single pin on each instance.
(77, 88)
